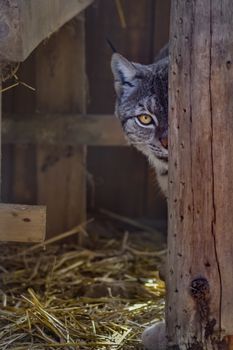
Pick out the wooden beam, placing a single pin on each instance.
(22, 223)
(200, 245)
(25, 23)
(63, 129)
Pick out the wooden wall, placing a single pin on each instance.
(118, 178)
(133, 191)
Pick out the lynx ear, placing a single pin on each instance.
(123, 71)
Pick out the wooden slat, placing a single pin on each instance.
(18, 165)
(22, 223)
(118, 179)
(161, 24)
(134, 42)
(61, 88)
(63, 129)
(118, 173)
(25, 23)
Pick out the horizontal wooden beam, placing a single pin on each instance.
(52, 129)
(22, 223)
(25, 23)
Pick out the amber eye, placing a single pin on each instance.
(145, 119)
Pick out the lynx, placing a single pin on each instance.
(142, 108)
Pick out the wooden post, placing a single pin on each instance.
(0, 132)
(200, 245)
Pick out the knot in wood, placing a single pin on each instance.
(200, 289)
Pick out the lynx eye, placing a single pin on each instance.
(145, 119)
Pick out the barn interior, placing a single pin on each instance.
(92, 282)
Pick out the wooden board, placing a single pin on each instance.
(134, 42)
(117, 185)
(200, 246)
(62, 129)
(61, 88)
(25, 23)
(19, 160)
(161, 25)
(119, 192)
(22, 223)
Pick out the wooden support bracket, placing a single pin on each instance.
(25, 23)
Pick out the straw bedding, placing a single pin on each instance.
(64, 296)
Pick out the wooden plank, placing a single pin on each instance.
(161, 25)
(128, 41)
(19, 161)
(61, 88)
(61, 186)
(25, 23)
(23, 174)
(63, 129)
(135, 42)
(0, 139)
(200, 246)
(22, 223)
(124, 194)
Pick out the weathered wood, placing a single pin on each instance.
(22, 223)
(63, 129)
(25, 23)
(200, 245)
(18, 165)
(121, 194)
(61, 88)
(128, 42)
(0, 139)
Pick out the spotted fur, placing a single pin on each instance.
(143, 89)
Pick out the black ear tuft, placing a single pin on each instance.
(112, 47)
(123, 70)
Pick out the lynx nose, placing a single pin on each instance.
(164, 142)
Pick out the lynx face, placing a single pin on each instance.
(142, 107)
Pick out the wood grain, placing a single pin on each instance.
(19, 161)
(25, 23)
(200, 245)
(22, 223)
(61, 88)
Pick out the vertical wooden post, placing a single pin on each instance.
(200, 244)
(0, 134)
